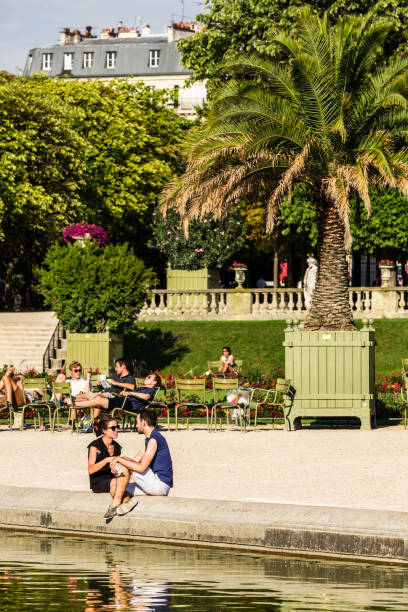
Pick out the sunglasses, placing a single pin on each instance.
(114, 427)
(77, 370)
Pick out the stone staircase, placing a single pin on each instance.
(31, 340)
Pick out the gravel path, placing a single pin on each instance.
(348, 468)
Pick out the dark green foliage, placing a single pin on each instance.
(243, 26)
(210, 243)
(93, 289)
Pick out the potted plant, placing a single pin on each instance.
(194, 260)
(387, 272)
(96, 293)
(239, 270)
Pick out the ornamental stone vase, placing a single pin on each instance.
(80, 240)
(387, 276)
(240, 277)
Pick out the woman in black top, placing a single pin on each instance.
(100, 452)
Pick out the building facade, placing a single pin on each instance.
(122, 53)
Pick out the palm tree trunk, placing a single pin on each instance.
(330, 308)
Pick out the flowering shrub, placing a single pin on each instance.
(210, 243)
(388, 396)
(96, 232)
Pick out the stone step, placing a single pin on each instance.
(24, 338)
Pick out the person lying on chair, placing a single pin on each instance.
(135, 400)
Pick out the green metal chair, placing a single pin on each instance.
(159, 400)
(41, 406)
(6, 408)
(220, 388)
(214, 365)
(185, 387)
(275, 398)
(63, 389)
(404, 393)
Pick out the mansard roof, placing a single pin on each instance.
(132, 58)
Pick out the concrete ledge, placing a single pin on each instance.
(343, 533)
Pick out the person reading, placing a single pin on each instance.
(121, 381)
(152, 468)
(102, 479)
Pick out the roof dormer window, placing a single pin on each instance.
(154, 58)
(111, 59)
(68, 61)
(88, 59)
(46, 61)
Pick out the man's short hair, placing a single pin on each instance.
(74, 364)
(123, 362)
(158, 380)
(148, 415)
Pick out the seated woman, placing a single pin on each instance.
(228, 365)
(101, 477)
(11, 388)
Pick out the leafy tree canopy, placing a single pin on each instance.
(95, 288)
(79, 151)
(231, 27)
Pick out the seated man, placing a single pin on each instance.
(12, 388)
(139, 397)
(152, 469)
(79, 386)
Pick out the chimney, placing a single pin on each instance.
(108, 33)
(77, 36)
(176, 31)
(120, 24)
(65, 36)
(146, 30)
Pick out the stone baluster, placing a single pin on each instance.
(291, 305)
(144, 311)
(223, 303)
(351, 299)
(359, 302)
(256, 305)
(162, 304)
(212, 308)
(196, 304)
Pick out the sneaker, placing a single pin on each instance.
(111, 512)
(127, 506)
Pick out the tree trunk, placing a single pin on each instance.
(330, 308)
(276, 265)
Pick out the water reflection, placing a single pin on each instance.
(40, 572)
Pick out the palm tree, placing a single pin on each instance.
(331, 117)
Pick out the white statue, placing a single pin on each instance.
(309, 281)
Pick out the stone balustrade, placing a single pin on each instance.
(264, 304)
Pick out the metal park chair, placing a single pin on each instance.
(274, 399)
(63, 389)
(40, 405)
(404, 393)
(223, 403)
(187, 390)
(6, 410)
(128, 416)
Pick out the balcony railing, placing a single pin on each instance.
(264, 304)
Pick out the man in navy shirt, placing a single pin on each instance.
(141, 396)
(152, 469)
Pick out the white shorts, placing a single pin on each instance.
(147, 483)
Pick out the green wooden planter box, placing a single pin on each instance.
(192, 279)
(96, 350)
(332, 373)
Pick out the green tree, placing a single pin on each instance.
(95, 288)
(41, 175)
(80, 151)
(232, 27)
(327, 119)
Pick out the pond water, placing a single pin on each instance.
(38, 572)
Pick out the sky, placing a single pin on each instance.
(25, 24)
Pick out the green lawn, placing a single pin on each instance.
(171, 346)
